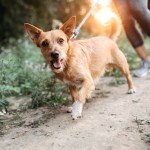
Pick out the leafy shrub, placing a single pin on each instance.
(14, 13)
(22, 73)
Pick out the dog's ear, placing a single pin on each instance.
(33, 32)
(69, 26)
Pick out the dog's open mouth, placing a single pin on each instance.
(57, 63)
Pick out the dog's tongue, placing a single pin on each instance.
(57, 64)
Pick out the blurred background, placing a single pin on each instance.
(14, 13)
(22, 67)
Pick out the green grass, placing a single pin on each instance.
(22, 74)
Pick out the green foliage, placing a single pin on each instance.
(3, 103)
(22, 73)
(14, 13)
(40, 98)
(117, 81)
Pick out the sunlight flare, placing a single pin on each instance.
(104, 15)
(102, 2)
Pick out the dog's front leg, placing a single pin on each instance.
(74, 92)
(74, 95)
(85, 91)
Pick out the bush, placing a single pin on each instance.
(14, 13)
(22, 73)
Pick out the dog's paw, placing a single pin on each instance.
(69, 110)
(131, 91)
(76, 110)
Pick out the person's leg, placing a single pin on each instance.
(142, 15)
(142, 52)
(133, 34)
(140, 11)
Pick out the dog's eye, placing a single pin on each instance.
(44, 44)
(61, 41)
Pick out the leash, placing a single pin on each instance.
(76, 31)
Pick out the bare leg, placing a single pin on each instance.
(142, 52)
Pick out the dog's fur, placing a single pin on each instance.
(78, 62)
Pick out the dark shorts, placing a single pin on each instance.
(131, 11)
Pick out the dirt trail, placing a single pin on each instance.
(114, 121)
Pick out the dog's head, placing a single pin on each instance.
(53, 44)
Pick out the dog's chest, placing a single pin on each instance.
(70, 79)
(73, 82)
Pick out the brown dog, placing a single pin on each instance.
(79, 62)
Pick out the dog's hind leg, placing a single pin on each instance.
(122, 65)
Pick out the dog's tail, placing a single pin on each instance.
(115, 27)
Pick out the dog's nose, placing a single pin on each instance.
(55, 55)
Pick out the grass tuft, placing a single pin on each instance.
(22, 73)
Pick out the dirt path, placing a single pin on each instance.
(114, 121)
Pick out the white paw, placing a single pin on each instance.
(131, 91)
(69, 109)
(76, 110)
